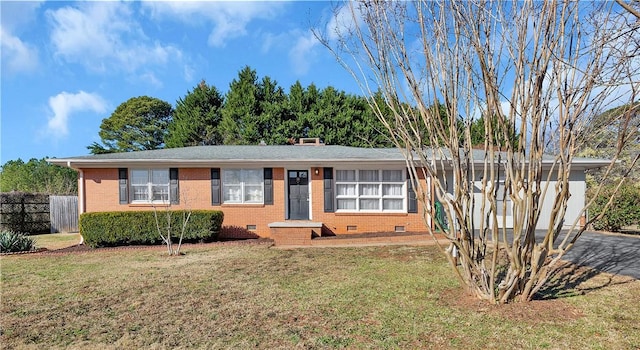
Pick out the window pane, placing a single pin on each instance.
(369, 190)
(345, 189)
(392, 204)
(369, 204)
(346, 175)
(349, 204)
(392, 175)
(231, 176)
(253, 176)
(391, 190)
(140, 192)
(368, 175)
(160, 176)
(160, 193)
(253, 193)
(139, 177)
(232, 193)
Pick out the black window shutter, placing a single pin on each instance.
(123, 175)
(268, 185)
(174, 192)
(328, 190)
(412, 198)
(215, 186)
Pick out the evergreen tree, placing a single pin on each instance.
(138, 124)
(196, 118)
(241, 106)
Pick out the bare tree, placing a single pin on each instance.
(166, 220)
(537, 72)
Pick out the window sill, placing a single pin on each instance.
(149, 205)
(368, 213)
(242, 205)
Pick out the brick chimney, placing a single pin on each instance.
(309, 141)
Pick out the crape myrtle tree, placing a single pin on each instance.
(196, 118)
(538, 72)
(140, 123)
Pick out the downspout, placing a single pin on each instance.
(81, 201)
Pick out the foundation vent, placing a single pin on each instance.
(352, 228)
(400, 229)
(251, 227)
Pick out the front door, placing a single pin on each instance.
(298, 195)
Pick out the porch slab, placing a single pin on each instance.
(294, 232)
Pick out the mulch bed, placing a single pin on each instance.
(83, 248)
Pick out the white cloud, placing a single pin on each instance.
(302, 54)
(64, 104)
(104, 36)
(342, 22)
(17, 56)
(229, 19)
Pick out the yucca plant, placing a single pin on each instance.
(15, 242)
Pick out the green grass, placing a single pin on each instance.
(258, 297)
(53, 241)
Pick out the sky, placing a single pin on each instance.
(65, 66)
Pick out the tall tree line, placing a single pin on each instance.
(254, 110)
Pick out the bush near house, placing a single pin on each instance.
(140, 227)
(624, 211)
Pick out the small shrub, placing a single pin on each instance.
(139, 227)
(15, 242)
(624, 211)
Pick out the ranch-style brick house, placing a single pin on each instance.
(267, 190)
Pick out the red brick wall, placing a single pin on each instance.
(101, 194)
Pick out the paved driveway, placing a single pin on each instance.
(616, 254)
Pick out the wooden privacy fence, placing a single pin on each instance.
(63, 213)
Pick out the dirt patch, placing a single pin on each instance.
(534, 312)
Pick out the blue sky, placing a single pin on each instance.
(68, 65)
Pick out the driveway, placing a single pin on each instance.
(616, 254)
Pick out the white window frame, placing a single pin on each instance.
(150, 186)
(357, 194)
(243, 186)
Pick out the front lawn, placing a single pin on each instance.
(258, 297)
(54, 241)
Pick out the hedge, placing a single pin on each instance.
(624, 210)
(139, 227)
